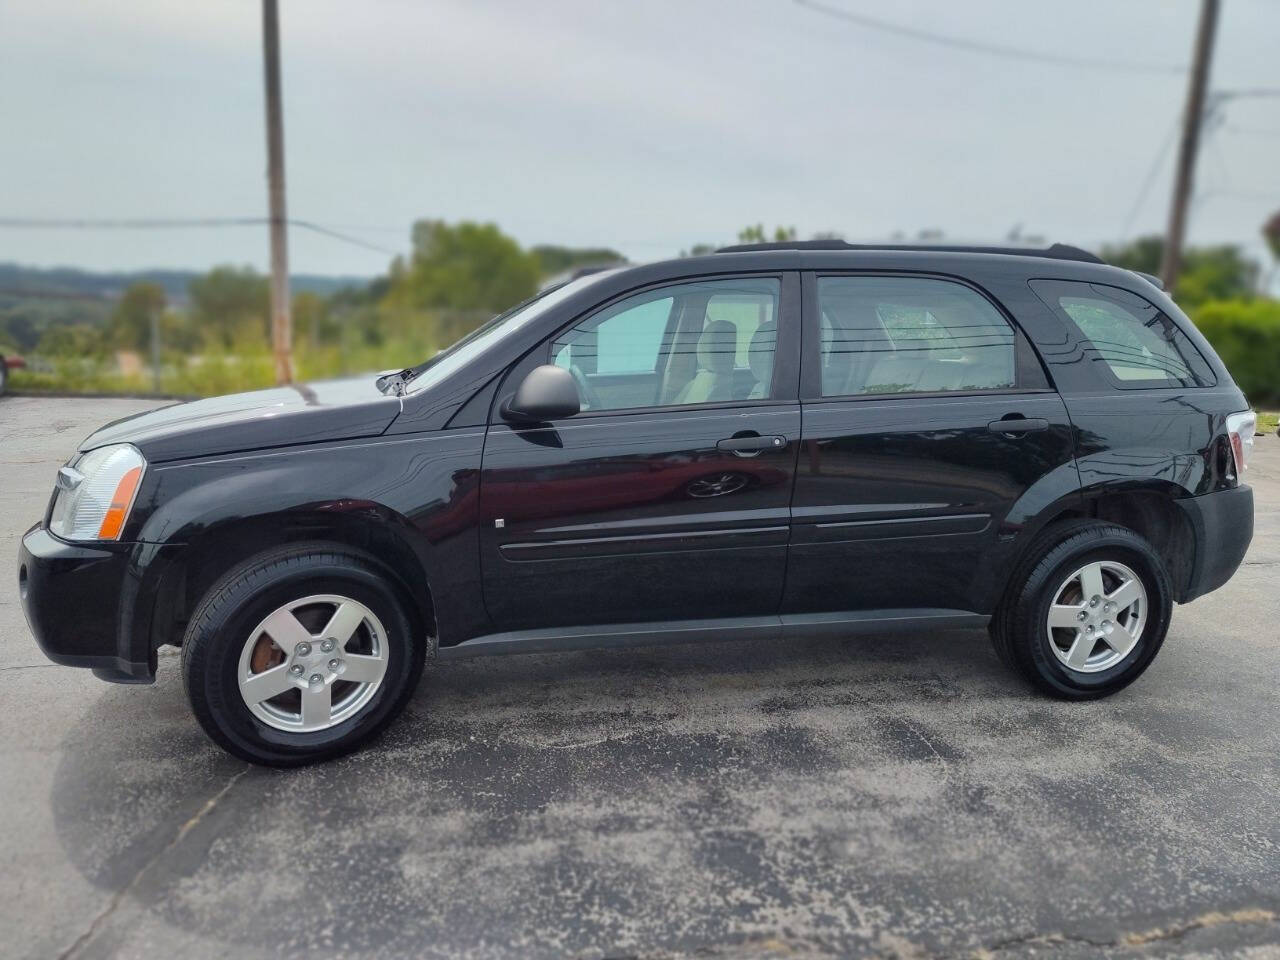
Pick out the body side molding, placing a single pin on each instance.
(606, 636)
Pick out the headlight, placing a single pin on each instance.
(96, 495)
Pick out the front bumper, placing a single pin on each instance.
(86, 606)
(1223, 526)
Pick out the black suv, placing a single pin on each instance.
(768, 441)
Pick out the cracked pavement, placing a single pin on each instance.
(896, 796)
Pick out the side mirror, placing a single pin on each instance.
(546, 393)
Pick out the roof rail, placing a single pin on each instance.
(1057, 251)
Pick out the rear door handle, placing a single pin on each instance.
(751, 446)
(1020, 425)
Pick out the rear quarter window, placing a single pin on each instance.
(1136, 344)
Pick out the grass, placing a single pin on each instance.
(213, 374)
(1268, 421)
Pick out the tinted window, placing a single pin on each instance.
(691, 343)
(1139, 344)
(885, 335)
(626, 342)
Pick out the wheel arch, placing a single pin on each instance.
(1148, 508)
(378, 534)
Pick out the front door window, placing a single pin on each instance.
(693, 343)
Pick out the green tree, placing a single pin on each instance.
(756, 234)
(355, 316)
(77, 340)
(700, 250)
(553, 260)
(1143, 254)
(467, 266)
(1246, 335)
(457, 276)
(231, 303)
(24, 320)
(311, 322)
(1208, 273)
(129, 327)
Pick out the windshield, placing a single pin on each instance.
(491, 333)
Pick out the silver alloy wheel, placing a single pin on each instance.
(716, 485)
(313, 663)
(1097, 616)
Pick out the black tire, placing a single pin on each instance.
(242, 599)
(1017, 629)
(4, 375)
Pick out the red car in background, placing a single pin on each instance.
(8, 362)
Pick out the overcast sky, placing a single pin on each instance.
(646, 126)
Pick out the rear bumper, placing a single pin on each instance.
(86, 605)
(1223, 527)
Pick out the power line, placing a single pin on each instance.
(328, 232)
(180, 223)
(1251, 131)
(995, 50)
(370, 227)
(1250, 195)
(1150, 178)
(129, 223)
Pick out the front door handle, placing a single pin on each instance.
(751, 446)
(1018, 425)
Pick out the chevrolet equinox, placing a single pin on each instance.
(769, 441)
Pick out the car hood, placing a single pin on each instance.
(282, 416)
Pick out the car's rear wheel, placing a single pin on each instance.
(1086, 611)
(300, 655)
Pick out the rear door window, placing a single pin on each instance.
(1137, 344)
(891, 335)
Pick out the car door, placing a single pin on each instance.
(930, 432)
(667, 497)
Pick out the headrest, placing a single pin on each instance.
(717, 346)
(760, 352)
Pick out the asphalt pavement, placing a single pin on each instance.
(897, 796)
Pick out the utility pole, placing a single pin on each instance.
(1192, 119)
(281, 322)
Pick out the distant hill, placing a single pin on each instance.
(19, 282)
(32, 299)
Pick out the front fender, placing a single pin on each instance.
(422, 488)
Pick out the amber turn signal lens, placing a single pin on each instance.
(113, 522)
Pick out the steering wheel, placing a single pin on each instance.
(591, 399)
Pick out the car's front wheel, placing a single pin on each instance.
(300, 655)
(1086, 610)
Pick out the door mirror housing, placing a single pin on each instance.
(547, 393)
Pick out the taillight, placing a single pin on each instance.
(1241, 428)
